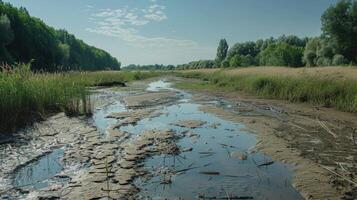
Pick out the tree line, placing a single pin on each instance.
(336, 46)
(133, 67)
(25, 39)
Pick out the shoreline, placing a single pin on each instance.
(282, 135)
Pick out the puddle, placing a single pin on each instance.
(208, 171)
(99, 116)
(38, 174)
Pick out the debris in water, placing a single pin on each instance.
(266, 164)
(210, 173)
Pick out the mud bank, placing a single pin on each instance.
(319, 142)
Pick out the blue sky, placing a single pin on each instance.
(176, 31)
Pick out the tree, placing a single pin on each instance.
(6, 36)
(339, 60)
(339, 25)
(310, 52)
(282, 54)
(24, 38)
(221, 51)
(320, 51)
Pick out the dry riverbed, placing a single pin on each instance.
(151, 141)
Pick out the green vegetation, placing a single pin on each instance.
(322, 90)
(221, 51)
(24, 38)
(335, 47)
(25, 95)
(133, 67)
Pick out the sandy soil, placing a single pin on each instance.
(319, 142)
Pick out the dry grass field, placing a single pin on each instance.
(325, 72)
(326, 86)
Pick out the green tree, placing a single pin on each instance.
(24, 38)
(310, 52)
(282, 54)
(339, 24)
(221, 51)
(6, 37)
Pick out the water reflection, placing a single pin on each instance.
(38, 173)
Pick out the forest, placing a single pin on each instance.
(133, 67)
(26, 39)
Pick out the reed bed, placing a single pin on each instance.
(26, 96)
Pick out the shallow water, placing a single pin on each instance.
(212, 147)
(37, 174)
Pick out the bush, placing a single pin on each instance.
(339, 60)
(282, 54)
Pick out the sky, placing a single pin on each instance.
(176, 31)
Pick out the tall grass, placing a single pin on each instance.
(26, 96)
(329, 91)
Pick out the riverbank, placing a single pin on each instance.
(320, 142)
(322, 86)
(26, 96)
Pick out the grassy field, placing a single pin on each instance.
(327, 86)
(27, 96)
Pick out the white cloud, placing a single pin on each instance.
(123, 23)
